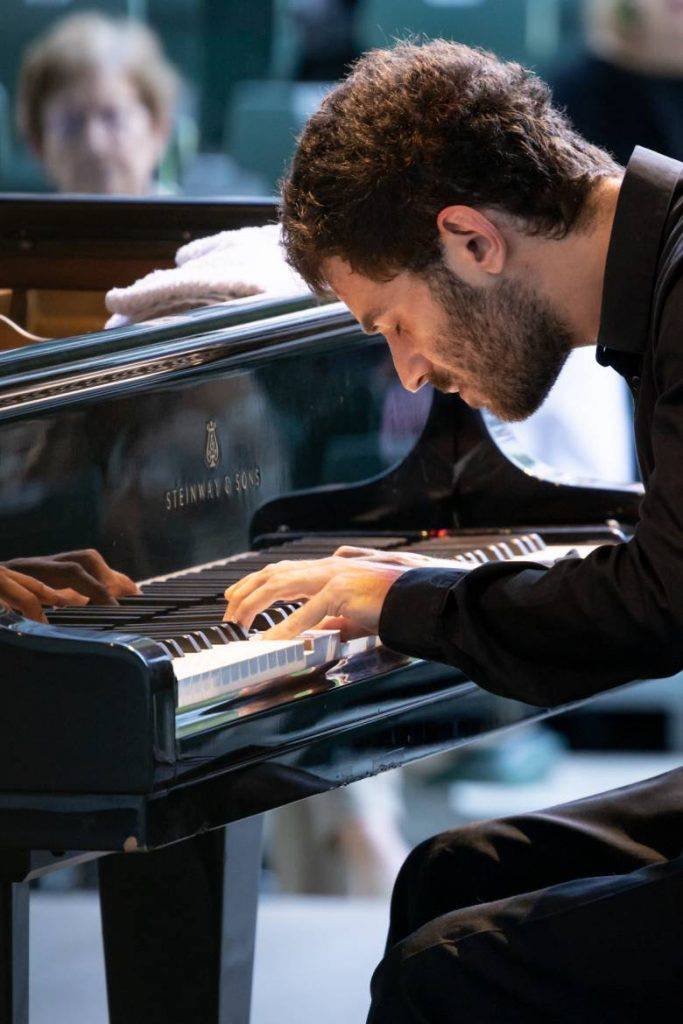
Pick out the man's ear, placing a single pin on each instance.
(474, 248)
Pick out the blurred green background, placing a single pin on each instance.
(253, 70)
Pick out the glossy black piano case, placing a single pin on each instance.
(85, 708)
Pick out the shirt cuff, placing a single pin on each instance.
(410, 617)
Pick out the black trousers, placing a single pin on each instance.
(570, 914)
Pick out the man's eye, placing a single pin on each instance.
(398, 330)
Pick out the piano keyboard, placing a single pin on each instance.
(212, 659)
(524, 548)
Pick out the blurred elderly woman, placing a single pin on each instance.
(95, 103)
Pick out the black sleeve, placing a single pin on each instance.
(551, 635)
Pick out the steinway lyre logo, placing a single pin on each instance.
(230, 482)
(212, 448)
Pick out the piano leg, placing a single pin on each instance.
(13, 951)
(179, 926)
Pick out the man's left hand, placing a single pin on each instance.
(85, 571)
(340, 593)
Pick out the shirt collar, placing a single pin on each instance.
(641, 213)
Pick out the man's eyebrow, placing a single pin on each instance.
(369, 321)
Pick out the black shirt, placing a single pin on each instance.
(549, 635)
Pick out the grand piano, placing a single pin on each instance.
(190, 451)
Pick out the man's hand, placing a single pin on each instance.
(408, 559)
(26, 595)
(85, 572)
(340, 593)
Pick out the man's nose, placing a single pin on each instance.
(413, 369)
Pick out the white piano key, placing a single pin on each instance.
(208, 675)
(359, 646)
(326, 645)
(321, 645)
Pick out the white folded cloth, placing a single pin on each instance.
(229, 265)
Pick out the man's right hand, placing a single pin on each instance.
(407, 559)
(26, 595)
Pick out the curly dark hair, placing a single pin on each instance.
(422, 126)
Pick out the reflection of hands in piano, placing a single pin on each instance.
(408, 559)
(340, 593)
(78, 575)
(26, 595)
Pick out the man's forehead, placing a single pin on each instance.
(367, 299)
(341, 278)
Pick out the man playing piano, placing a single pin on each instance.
(443, 199)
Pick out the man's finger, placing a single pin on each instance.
(333, 622)
(116, 583)
(125, 586)
(307, 617)
(244, 611)
(62, 575)
(89, 558)
(349, 551)
(78, 578)
(293, 581)
(19, 597)
(72, 597)
(237, 590)
(244, 586)
(24, 602)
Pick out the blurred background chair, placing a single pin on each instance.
(263, 121)
(529, 31)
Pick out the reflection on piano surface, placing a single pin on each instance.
(189, 452)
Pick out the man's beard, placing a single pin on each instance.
(505, 340)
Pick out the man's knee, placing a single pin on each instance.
(467, 841)
(448, 872)
(454, 856)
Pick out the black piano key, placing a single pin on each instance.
(91, 621)
(172, 648)
(145, 602)
(263, 621)
(189, 642)
(180, 590)
(113, 609)
(332, 542)
(76, 627)
(202, 635)
(234, 631)
(217, 635)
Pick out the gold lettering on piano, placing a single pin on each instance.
(212, 449)
(214, 488)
